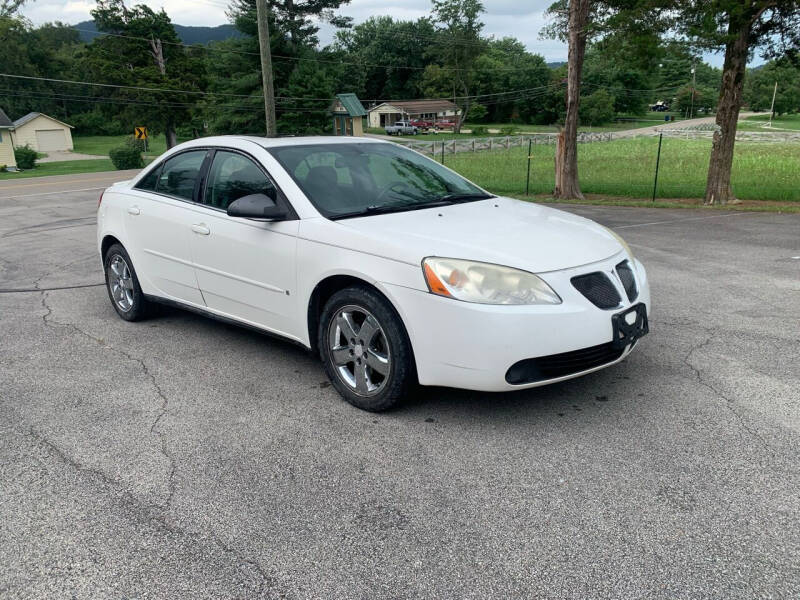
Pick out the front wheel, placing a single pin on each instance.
(365, 349)
(123, 286)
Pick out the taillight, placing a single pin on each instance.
(100, 199)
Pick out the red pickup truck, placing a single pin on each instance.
(425, 125)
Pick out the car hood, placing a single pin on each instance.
(498, 230)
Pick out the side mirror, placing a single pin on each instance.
(257, 206)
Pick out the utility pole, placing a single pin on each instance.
(266, 66)
(772, 108)
(694, 80)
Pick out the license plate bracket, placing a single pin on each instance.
(625, 332)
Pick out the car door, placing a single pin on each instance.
(158, 222)
(245, 267)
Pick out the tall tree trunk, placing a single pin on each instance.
(157, 50)
(567, 186)
(718, 184)
(464, 110)
(171, 134)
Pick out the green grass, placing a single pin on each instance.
(67, 167)
(626, 168)
(101, 144)
(757, 122)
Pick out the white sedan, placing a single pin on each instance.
(391, 267)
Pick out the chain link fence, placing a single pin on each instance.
(766, 166)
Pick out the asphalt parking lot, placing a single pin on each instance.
(185, 458)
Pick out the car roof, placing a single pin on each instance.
(279, 142)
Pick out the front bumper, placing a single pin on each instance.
(472, 346)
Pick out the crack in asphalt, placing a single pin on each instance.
(164, 401)
(161, 510)
(154, 513)
(729, 402)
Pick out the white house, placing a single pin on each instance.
(388, 113)
(6, 146)
(42, 133)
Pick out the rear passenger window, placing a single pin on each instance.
(179, 174)
(233, 176)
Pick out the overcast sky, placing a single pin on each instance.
(522, 19)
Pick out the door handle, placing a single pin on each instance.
(134, 210)
(201, 228)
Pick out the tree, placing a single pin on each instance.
(149, 55)
(506, 65)
(567, 185)
(577, 21)
(760, 84)
(739, 27)
(459, 44)
(9, 8)
(233, 67)
(390, 56)
(597, 108)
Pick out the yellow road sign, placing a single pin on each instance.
(140, 133)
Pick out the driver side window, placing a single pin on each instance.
(233, 176)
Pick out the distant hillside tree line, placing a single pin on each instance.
(444, 55)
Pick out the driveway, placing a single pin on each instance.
(63, 156)
(185, 458)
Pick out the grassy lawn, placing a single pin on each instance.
(757, 122)
(626, 168)
(102, 144)
(67, 167)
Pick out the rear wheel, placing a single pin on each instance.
(365, 349)
(123, 286)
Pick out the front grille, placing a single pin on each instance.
(599, 290)
(532, 370)
(628, 281)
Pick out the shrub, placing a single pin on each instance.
(126, 157)
(480, 130)
(25, 157)
(507, 130)
(597, 108)
(477, 112)
(133, 143)
(3, 168)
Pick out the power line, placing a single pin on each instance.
(362, 64)
(144, 88)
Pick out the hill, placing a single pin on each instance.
(189, 34)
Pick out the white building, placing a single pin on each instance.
(388, 113)
(42, 133)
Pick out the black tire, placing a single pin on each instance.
(401, 377)
(140, 307)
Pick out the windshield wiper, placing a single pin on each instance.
(464, 197)
(389, 208)
(382, 209)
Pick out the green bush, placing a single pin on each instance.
(25, 157)
(480, 130)
(135, 144)
(126, 157)
(597, 108)
(507, 130)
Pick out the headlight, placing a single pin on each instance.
(485, 283)
(622, 242)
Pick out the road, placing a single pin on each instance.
(625, 133)
(185, 458)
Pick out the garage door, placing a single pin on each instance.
(51, 140)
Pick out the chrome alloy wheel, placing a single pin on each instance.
(120, 283)
(359, 350)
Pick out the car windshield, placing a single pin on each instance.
(356, 179)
